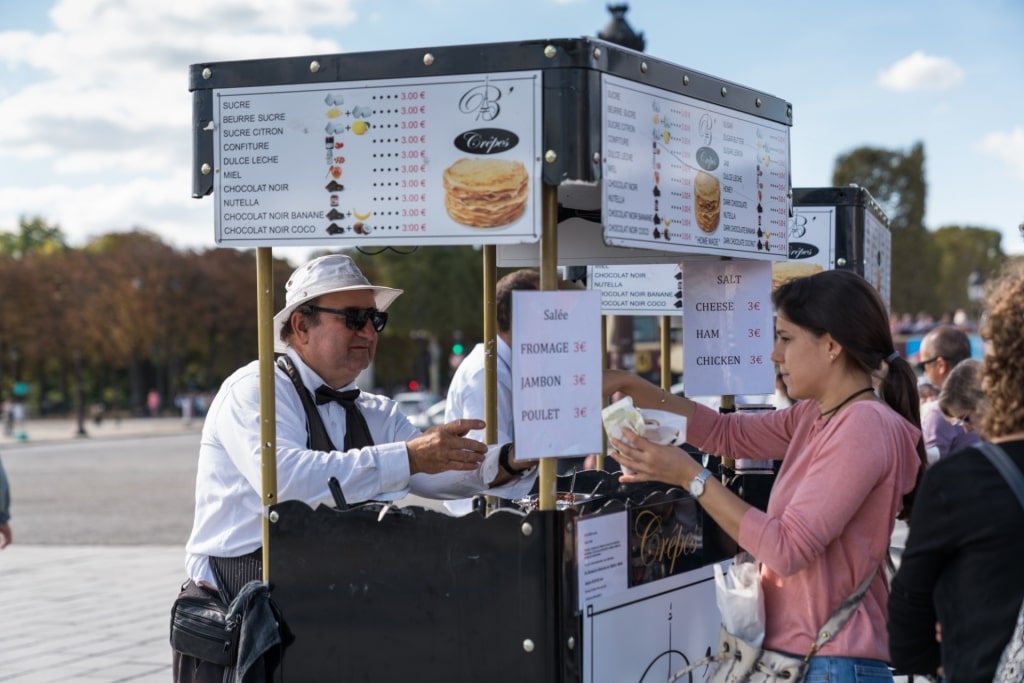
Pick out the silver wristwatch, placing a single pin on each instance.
(697, 485)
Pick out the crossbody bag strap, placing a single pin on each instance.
(998, 457)
(316, 433)
(842, 615)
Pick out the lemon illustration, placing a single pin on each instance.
(665, 136)
(360, 127)
(333, 113)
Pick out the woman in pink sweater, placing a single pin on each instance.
(850, 462)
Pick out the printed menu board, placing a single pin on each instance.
(685, 175)
(445, 160)
(728, 336)
(556, 373)
(655, 289)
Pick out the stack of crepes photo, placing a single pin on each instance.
(486, 193)
(707, 201)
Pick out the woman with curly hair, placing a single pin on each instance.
(955, 599)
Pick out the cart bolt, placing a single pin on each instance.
(205, 169)
(757, 102)
(527, 529)
(643, 67)
(789, 112)
(724, 91)
(274, 516)
(550, 156)
(550, 51)
(596, 157)
(597, 53)
(207, 73)
(314, 66)
(686, 80)
(527, 645)
(841, 262)
(571, 643)
(428, 59)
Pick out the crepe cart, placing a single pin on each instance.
(623, 158)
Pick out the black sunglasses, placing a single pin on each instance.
(925, 363)
(356, 318)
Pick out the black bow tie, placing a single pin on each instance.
(357, 433)
(324, 394)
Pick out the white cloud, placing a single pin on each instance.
(921, 72)
(1009, 147)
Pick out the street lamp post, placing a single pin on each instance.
(975, 292)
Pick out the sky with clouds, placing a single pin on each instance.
(95, 113)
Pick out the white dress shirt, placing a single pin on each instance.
(466, 393)
(228, 483)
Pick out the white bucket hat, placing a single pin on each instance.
(324, 275)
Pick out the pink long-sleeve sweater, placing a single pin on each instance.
(830, 515)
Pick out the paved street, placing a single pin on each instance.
(99, 526)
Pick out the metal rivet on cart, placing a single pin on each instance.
(205, 169)
(207, 73)
(789, 112)
(428, 59)
(841, 262)
(550, 51)
(571, 643)
(550, 156)
(274, 516)
(527, 529)
(643, 67)
(724, 91)
(596, 157)
(314, 66)
(527, 645)
(597, 53)
(686, 80)
(757, 102)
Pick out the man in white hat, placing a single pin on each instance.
(328, 330)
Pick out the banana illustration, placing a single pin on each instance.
(361, 216)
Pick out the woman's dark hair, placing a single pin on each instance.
(844, 305)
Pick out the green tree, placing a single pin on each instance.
(896, 181)
(957, 253)
(34, 236)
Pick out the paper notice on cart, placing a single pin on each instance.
(603, 553)
(556, 373)
(729, 332)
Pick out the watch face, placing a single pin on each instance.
(696, 488)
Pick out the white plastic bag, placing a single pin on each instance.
(740, 601)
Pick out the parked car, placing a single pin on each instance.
(415, 405)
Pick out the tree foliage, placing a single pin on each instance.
(929, 269)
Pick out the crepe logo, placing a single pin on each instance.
(481, 100)
(707, 158)
(802, 250)
(486, 141)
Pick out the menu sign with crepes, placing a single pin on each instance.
(444, 160)
(684, 175)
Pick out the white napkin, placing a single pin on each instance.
(740, 601)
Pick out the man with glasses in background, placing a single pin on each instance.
(941, 349)
(327, 334)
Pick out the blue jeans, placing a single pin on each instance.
(847, 670)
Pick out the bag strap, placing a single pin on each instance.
(316, 433)
(998, 457)
(842, 615)
(832, 626)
